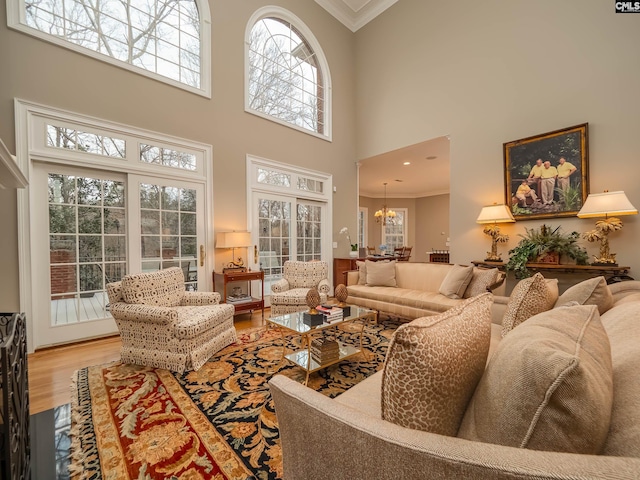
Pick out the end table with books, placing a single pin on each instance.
(235, 288)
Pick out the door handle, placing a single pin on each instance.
(202, 255)
(255, 254)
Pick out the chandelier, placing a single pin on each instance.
(385, 215)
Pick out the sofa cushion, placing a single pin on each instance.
(482, 279)
(529, 297)
(294, 296)
(547, 387)
(164, 288)
(382, 274)
(432, 301)
(433, 365)
(593, 291)
(456, 281)
(622, 324)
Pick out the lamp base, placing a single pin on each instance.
(604, 264)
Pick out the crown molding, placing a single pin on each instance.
(355, 18)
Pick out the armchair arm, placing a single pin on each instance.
(324, 286)
(195, 299)
(281, 285)
(131, 312)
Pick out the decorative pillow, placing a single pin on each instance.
(593, 291)
(529, 297)
(482, 279)
(549, 386)
(456, 281)
(362, 272)
(381, 274)
(433, 365)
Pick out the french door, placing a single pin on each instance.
(285, 228)
(90, 228)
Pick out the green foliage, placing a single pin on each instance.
(539, 242)
(571, 198)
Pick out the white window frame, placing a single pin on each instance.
(363, 226)
(293, 192)
(31, 119)
(323, 65)
(405, 212)
(16, 19)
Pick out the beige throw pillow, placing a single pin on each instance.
(593, 291)
(433, 366)
(362, 272)
(529, 297)
(547, 387)
(456, 281)
(482, 279)
(381, 274)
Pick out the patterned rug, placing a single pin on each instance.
(132, 422)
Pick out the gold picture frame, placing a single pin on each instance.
(561, 158)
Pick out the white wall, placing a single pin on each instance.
(498, 70)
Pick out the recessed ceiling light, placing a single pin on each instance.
(431, 157)
(407, 163)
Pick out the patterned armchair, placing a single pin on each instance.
(164, 326)
(290, 292)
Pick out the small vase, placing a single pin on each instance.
(353, 254)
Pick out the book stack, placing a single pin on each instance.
(324, 350)
(331, 313)
(239, 298)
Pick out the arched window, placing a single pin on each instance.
(287, 74)
(165, 39)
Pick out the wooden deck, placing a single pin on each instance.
(74, 310)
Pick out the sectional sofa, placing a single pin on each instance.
(346, 437)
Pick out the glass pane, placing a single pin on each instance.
(187, 200)
(169, 247)
(150, 246)
(115, 248)
(89, 220)
(188, 247)
(62, 248)
(114, 220)
(150, 267)
(89, 191)
(91, 277)
(63, 279)
(90, 248)
(113, 194)
(150, 221)
(62, 189)
(114, 272)
(149, 196)
(170, 197)
(170, 223)
(187, 223)
(62, 219)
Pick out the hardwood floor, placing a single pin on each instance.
(50, 370)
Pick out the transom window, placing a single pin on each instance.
(162, 37)
(287, 80)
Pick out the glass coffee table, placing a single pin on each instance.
(294, 323)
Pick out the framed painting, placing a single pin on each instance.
(547, 175)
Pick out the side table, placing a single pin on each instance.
(222, 279)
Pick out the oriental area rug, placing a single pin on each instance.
(134, 422)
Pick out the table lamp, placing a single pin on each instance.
(234, 240)
(492, 215)
(603, 205)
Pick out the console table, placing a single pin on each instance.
(611, 273)
(221, 280)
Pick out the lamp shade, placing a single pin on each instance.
(233, 239)
(607, 203)
(495, 214)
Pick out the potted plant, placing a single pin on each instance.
(354, 246)
(538, 245)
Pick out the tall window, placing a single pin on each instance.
(394, 234)
(162, 37)
(287, 80)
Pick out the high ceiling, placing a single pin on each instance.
(355, 14)
(427, 173)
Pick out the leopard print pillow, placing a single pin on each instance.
(530, 297)
(433, 366)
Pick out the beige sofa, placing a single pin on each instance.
(416, 293)
(346, 438)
